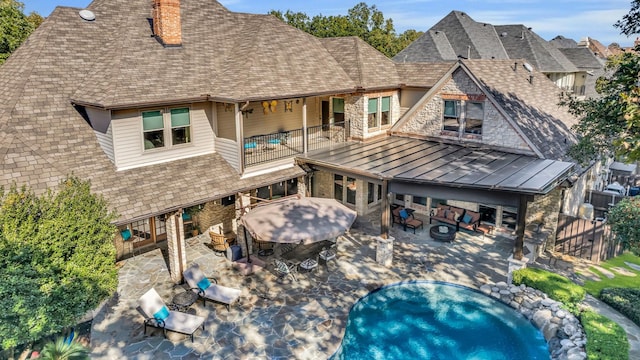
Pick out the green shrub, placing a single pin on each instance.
(557, 287)
(606, 340)
(626, 301)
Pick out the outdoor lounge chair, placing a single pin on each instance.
(157, 315)
(208, 289)
(409, 221)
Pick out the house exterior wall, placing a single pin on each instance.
(106, 142)
(574, 196)
(225, 121)
(496, 131)
(544, 209)
(410, 97)
(354, 111)
(261, 121)
(129, 143)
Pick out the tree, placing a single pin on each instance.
(366, 22)
(15, 27)
(57, 259)
(609, 125)
(624, 218)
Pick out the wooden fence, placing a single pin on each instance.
(587, 239)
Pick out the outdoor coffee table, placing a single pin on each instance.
(449, 235)
(183, 301)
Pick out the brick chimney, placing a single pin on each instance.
(166, 22)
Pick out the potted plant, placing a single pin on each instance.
(195, 230)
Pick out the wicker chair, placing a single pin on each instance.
(219, 243)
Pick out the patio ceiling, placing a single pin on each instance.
(414, 165)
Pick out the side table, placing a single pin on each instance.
(183, 301)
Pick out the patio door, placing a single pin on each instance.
(325, 114)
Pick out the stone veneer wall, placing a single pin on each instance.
(496, 131)
(354, 112)
(217, 216)
(322, 184)
(545, 209)
(561, 330)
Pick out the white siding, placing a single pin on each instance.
(228, 149)
(129, 145)
(226, 121)
(106, 142)
(258, 122)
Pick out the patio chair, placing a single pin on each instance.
(208, 289)
(157, 315)
(409, 221)
(285, 269)
(219, 243)
(328, 254)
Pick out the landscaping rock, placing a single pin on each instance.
(632, 265)
(623, 271)
(604, 271)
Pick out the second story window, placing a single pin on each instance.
(153, 129)
(180, 126)
(463, 116)
(385, 111)
(451, 120)
(372, 119)
(162, 129)
(338, 110)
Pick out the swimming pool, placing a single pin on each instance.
(436, 320)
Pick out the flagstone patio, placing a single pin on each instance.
(283, 319)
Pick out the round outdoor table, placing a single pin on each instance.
(183, 301)
(449, 235)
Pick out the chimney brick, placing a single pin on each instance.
(166, 22)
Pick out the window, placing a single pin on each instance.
(338, 187)
(451, 116)
(420, 200)
(385, 117)
(509, 217)
(351, 191)
(339, 184)
(487, 213)
(180, 126)
(373, 113)
(277, 190)
(435, 202)
(153, 129)
(338, 110)
(473, 117)
(374, 193)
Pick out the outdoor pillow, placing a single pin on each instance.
(126, 234)
(456, 216)
(404, 214)
(466, 218)
(204, 284)
(440, 213)
(161, 314)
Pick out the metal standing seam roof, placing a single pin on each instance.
(429, 162)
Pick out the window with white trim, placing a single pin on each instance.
(378, 112)
(338, 110)
(372, 118)
(162, 128)
(451, 117)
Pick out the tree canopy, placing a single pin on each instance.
(366, 22)
(57, 259)
(609, 124)
(15, 26)
(625, 223)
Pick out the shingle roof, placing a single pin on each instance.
(424, 75)
(582, 58)
(223, 55)
(474, 40)
(532, 105)
(561, 42)
(366, 66)
(522, 43)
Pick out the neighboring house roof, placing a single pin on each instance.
(582, 57)
(432, 46)
(532, 105)
(522, 43)
(367, 67)
(424, 75)
(596, 46)
(474, 40)
(561, 42)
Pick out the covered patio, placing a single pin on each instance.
(303, 319)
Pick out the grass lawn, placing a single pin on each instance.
(622, 281)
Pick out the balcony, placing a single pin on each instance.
(262, 149)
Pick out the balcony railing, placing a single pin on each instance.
(260, 149)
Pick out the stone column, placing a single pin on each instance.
(242, 206)
(384, 251)
(176, 246)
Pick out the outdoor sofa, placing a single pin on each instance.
(461, 218)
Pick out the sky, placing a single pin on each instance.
(573, 19)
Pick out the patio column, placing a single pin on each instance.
(522, 214)
(305, 143)
(384, 213)
(176, 246)
(240, 134)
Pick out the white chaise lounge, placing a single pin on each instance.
(208, 289)
(158, 315)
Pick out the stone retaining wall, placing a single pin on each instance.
(561, 330)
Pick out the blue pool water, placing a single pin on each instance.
(435, 320)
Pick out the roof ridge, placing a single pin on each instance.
(358, 61)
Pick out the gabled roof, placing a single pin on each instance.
(561, 42)
(367, 67)
(532, 103)
(470, 39)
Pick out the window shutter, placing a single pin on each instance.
(386, 103)
(338, 105)
(179, 117)
(373, 106)
(152, 120)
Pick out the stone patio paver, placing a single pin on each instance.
(302, 319)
